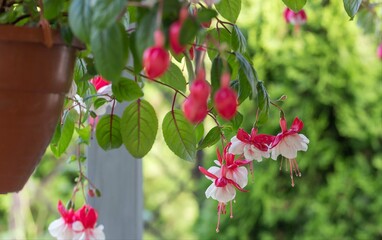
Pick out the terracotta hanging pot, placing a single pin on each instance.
(34, 79)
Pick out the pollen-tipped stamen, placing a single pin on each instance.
(291, 171)
(295, 168)
(231, 212)
(220, 209)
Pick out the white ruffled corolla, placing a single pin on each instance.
(85, 226)
(288, 143)
(226, 178)
(252, 146)
(62, 228)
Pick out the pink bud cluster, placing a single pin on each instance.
(225, 100)
(230, 174)
(195, 107)
(80, 224)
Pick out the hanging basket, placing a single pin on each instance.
(34, 79)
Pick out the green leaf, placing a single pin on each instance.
(246, 73)
(174, 77)
(137, 59)
(65, 136)
(223, 36)
(80, 16)
(188, 31)
(126, 90)
(179, 135)
(110, 51)
(295, 5)
(205, 15)
(352, 7)
(84, 134)
(106, 12)
(108, 132)
(144, 34)
(211, 138)
(216, 72)
(238, 41)
(139, 127)
(229, 9)
(199, 132)
(263, 102)
(237, 121)
(52, 8)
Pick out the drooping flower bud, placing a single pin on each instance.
(194, 111)
(156, 61)
(99, 82)
(225, 101)
(200, 89)
(175, 37)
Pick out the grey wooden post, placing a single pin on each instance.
(119, 177)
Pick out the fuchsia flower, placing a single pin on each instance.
(85, 228)
(253, 146)
(104, 91)
(295, 18)
(288, 143)
(226, 178)
(76, 225)
(62, 228)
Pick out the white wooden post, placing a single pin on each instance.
(119, 177)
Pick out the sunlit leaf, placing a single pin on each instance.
(179, 135)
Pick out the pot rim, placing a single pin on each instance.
(11, 33)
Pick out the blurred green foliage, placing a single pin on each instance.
(333, 81)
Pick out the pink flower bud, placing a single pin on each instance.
(156, 60)
(200, 89)
(174, 37)
(99, 82)
(225, 101)
(194, 111)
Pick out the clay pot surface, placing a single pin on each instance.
(33, 82)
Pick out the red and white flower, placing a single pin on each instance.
(85, 226)
(288, 143)
(295, 18)
(79, 225)
(253, 146)
(104, 91)
(229, 175)
(62, 228)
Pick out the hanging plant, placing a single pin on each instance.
(165, 40)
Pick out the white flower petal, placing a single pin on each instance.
(252, 153)
(237, 146)
(56, 227)
(287, 148)
(210, 190)
(239, 175)
(98, 233)
(225, 194)
(215, 171)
